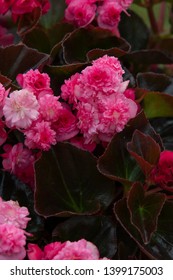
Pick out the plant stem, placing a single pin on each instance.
(152, 18)
(162, 16)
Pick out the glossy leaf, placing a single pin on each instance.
(81, 41)
(37, 39)
(68, 182)
(164, 126)
(116, 163)
(101, 230)
(143, 58)
(145, 150)
(14, 60)
(134, 30)
(156, 104)
(144, 210)
(155, 82)
(5, 81)
(161, 244)
(29, 21)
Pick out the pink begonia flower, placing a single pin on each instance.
(5, 6)
(49, 107)
(3, 95)
(12, 242)
(12, 214)
(162, 173)
(88, 121)
(66, 125)
(36, 82)
(117, 112)
(99, 100)
(80, 12)
(69, 89)
(130, 93)
(20, 109)
(40, 136)
(3, 133)
(19, 161)
(20, 7)
(109, 15)
(77, 250)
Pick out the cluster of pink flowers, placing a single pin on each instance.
(100, 105)
(21, 7)
(78, 250)
(107, 12)
(38, 114)
(162, 173)
(98, 96)
(13, 222)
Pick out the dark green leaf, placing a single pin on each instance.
(81, 41)
(101, 230)
(68, 182)
(145, 150)
(5, 81)
(37, 39)
(134, 30)
(164, 126)
(161, 244)
(28, 21)
(155, 82)
(143, 58)
(116, 163)
(144, 210)
(18, 59)
(156, 104)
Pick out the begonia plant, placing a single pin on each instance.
(86, 129)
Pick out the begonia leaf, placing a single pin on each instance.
(101, 230)
(116, 162)
(94, 38)
(145, 150)
(96, 53)
(5, 81)
(145, 3)
(161, 244)
(165, 44)
(12, 189)
(155, 82)
(156, 104)
(143, 58)
(28, 21)
(144, 210)
(58, 31)
(134, 30)
(164, 126)
(68, 182)
(14, 60)
(37, 39)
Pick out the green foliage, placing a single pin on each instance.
(64, 187)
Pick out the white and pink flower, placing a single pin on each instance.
(20, 109)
